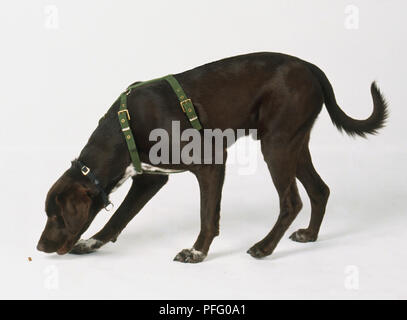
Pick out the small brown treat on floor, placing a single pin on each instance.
(29, 259)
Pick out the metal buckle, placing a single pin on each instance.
(183, 102)
(85, 170)
(127, 112)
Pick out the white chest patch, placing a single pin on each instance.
(150, 168)
(130, 172)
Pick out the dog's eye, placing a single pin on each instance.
(52, 217)
(57, 220)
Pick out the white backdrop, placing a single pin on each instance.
(62, 65)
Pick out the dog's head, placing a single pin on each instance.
(71, 206)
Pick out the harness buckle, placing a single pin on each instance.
(183, 102)
(85, 170)
(109, 206)
(127, 112)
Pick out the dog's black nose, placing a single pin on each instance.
(45, 247)
(48, 246)
(40, 246)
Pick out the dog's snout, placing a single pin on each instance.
(46, 246)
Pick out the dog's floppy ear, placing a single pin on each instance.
(75, 205)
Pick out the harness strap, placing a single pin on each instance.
(124, 116)
(186, 104)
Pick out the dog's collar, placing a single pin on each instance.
(85, 171)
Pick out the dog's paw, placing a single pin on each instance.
(190, 256)
(257, 251)
(86, 246)
(303, 235)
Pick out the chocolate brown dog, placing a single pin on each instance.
(279, 95)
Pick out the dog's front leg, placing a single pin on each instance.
(210, 178)
(143, 188)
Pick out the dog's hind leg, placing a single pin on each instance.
(210, 178)
(318, 193)
(143, 188)
(281, 154)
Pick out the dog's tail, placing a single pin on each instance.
(342, 121)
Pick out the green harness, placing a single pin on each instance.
(124, 116)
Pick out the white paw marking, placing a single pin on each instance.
(88, 244)
(190, 256)
(197, 253)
